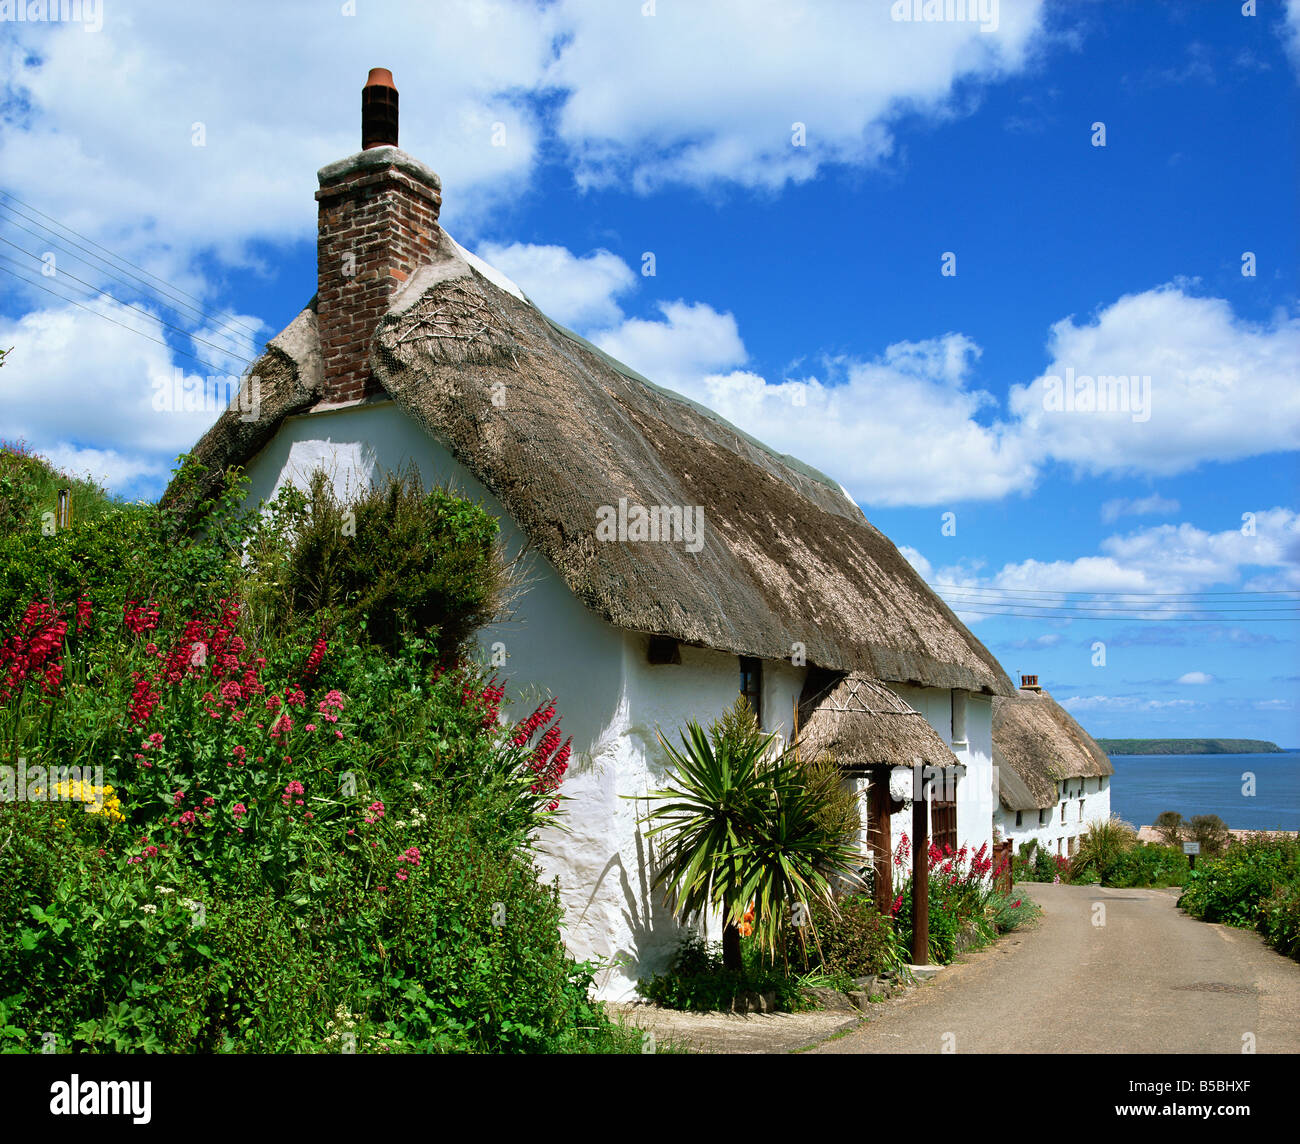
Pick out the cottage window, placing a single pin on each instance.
(1062, 812)
(943, 816)
(751, 685)
(959, 740)
(1042, 818)
(1020, 817)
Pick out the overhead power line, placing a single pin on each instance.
(98, 314)
(97, 292)
(174, 291)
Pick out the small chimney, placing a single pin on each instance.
(379, 110)
(377, 223)
(1029, 683)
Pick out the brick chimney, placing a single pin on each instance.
(378, 221)
(1029, 683)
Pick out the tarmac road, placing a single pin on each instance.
(1148, 980)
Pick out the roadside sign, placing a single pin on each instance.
(1191, 847)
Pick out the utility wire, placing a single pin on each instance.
(89, 310)
(175, 290)
(97, 292)
(1040, 592)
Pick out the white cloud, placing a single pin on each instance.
(1221, 390)
(74, 411)
(682, 351)
(1195, 677)
(576, 292)
(105, 138)
(1218, 388)
(1290, 31)
(1153, 505)
(1125, 703)
(644, 101)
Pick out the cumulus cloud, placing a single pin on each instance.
(1290, 31)
(1198, 383)
(1220, 390)
(74, 414)
(643, 103)
(681, 351)
(577, 292)
(1195, 677)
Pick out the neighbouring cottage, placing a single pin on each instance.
(677, 561)
(1053, 779)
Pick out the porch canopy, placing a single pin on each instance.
(869, 730)
(864, 725)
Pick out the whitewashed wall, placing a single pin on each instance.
(975, 789)
(611, 699)
(1054, 836)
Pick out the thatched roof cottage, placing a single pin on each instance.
(1053, 778)
(678, 560)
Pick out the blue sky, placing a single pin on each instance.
(797, 285)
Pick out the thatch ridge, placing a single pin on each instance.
(1037, 744)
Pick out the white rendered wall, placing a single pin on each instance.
(975, 797)
(611, 699)
(1054, 836)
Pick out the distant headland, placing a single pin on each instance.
(1188, 747)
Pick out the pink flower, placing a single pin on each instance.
(311, 727)
(401, 875)
(239, 810)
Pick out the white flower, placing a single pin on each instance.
(164, 889)
(149, 909)
(416, 786)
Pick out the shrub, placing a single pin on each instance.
(396, 558)
(854, 940)
(1211, 832)
(697, 980)
(1252, 885)
(1007, 912)
(257, 870)
(960, 886)
(1149, 864)
(1170, 826)
(1101, 850)
(1035, 864)
(1280, 919)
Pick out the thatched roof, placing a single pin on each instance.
(1036, 744)
(788, 559)
(863, 724)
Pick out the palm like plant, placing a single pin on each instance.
(742, 824)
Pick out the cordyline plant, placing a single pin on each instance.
(744, 830)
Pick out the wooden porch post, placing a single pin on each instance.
(920, 879)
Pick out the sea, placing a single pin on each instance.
(1145, 785)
